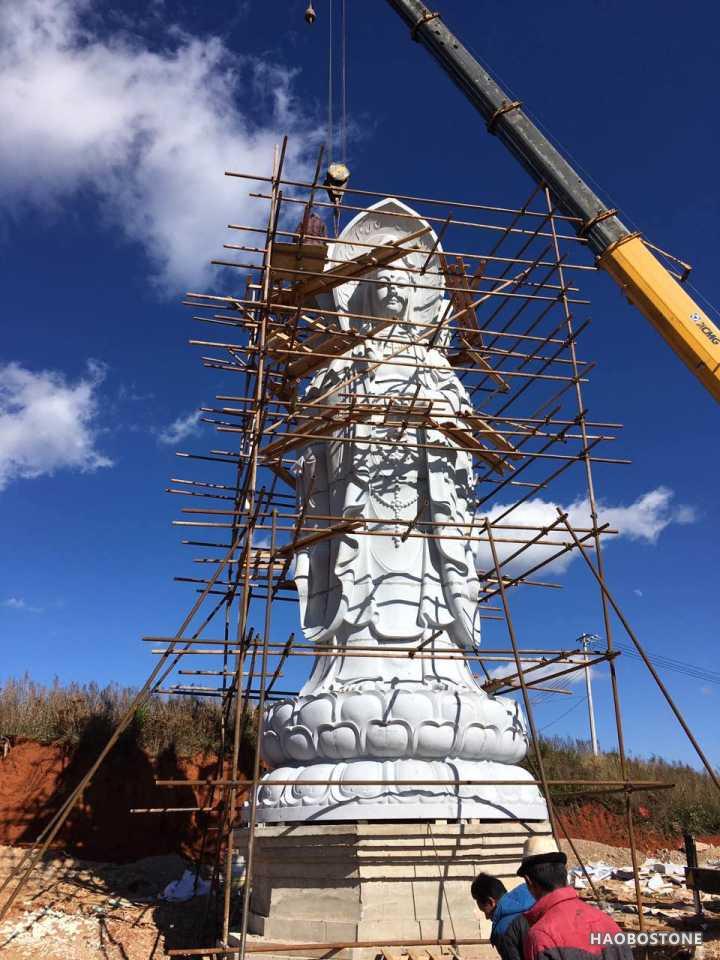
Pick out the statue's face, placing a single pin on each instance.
(390, 295)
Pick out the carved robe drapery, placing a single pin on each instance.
(390, 588)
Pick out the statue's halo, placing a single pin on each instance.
(383, 222)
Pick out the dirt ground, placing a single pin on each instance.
(672, 908)
(81, 910)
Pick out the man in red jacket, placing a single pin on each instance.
(561, 925)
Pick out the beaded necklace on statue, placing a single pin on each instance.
(390, 499)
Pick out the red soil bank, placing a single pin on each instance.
(35, 779)
(591, 821)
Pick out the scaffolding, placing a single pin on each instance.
(510, 332)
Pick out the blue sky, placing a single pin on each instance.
(118, 121)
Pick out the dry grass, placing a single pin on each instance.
(31, 711)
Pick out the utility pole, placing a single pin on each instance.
(586, 639)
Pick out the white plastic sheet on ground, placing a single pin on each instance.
(597, 870)
(187, 887)
(656, 876)
(666, 869)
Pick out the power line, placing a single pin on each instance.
(557, 684)
(669, 663)
(577, 704)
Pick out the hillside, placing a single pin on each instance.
(51, 735)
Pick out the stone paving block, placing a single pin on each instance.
(341, 932)
(396, 929)
(301, 930)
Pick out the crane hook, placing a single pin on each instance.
(310, 14)
(336, 180)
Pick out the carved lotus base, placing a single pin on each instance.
(393, 722)
(428, 796)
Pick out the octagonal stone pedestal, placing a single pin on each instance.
(378, 881)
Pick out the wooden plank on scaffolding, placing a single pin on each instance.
(468, 355)
(381, 256)
(476, 422)
(387, 954)
(318, 428)
(279, 470)
(464, 294)
(318, 350)
(465, 439)
(320, 345)
(464, 291)
(289, 259)
(324, 533)
(415, 953)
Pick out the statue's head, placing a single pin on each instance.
(390, 293)
(401, 293)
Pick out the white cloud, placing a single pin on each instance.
(685, 514)
(180, 428)
(17, 603)
(647, 517)
(644, 519)
(149, 132)
(537, 672)
(47, 423)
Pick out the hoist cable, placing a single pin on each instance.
(343, 52)
(330, 84)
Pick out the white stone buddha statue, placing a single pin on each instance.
(392, 717)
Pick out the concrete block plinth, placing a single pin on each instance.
(378, 881)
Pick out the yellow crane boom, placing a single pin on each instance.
(644, 280)
(650, 287)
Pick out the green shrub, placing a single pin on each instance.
(692, 805)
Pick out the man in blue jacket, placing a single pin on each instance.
(505, 908)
